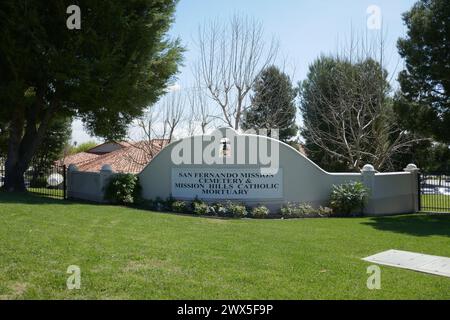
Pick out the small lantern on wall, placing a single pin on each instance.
(225, 150)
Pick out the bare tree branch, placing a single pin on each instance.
(231, 58)
(158, 126)
(356, 124)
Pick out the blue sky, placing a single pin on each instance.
(305, 29)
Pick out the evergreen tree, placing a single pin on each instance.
(54, 143)
(52, 149)
(106, 73)
(424, 102)
(348, 116)
(273, 104)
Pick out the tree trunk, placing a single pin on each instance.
(22, 144)
(13, 180)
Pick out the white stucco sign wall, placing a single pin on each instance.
(253, 170)
(227, 165)
(232, 184)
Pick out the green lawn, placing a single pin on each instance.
(47, 192)
(132, 254)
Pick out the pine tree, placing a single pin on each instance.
(424, 101)
(106, 73)
(273, 104)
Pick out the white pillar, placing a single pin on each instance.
(105, 174)
(412, 168)
(368, 179)
(70, 171)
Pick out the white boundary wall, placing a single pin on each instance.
(302, 180)
(89, 186)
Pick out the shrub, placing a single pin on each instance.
(324, 211)
(228, 209)
(260, 212)
(159, 204)
(236, 210)
(200, 208)
(297, 210)
(348, 198)
(169, 202)
(122, 189)
(212, 211)
(137, 192)
(220, 209)
(179, 206)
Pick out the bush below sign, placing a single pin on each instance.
(346, 200)
(235, 210)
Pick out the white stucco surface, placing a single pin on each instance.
(296, 179)
(302, 181)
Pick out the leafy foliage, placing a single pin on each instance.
(424, 102)
(304, 210)
(220, 209)
(297, 210)
(3, 141)
(273, 104)
(348, 115)
(106, 74)
(179, 206)
(53, 145)
(428, 156)
(236, 210)
(260, 212)
(200, 208)
(348, 199)
(325, 212)
(83, 147)
(123, 189)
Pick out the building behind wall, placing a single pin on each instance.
(123, 157)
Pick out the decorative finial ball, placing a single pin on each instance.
(368, 168)
(106, 167)
(72, 167)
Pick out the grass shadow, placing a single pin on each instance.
(417, 225)
(30, 198)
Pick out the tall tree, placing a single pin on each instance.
(82, 147)
(348, 115)
(424, 104)
(232, 56)
(3, 142)
(428, 156)
(273, 104)
(106, 73)
(52, 147)
(158, 126)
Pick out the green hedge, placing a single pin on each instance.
(123, 188)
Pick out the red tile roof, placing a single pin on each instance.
(77, 159)
(130, 159)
